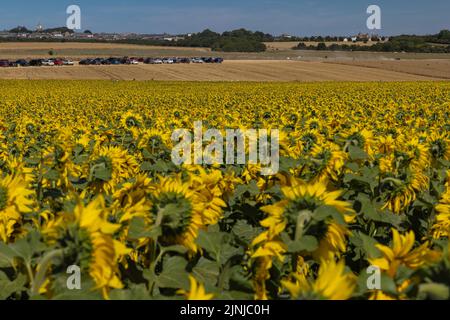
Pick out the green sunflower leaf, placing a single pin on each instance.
(8, 287)
(207, 272)
(174, 274)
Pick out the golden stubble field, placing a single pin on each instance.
(232, 70)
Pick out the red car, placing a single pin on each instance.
(58, 62)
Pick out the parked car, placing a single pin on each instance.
(125, 60)
(197, 60)
(22, 63)
(218, 60)
(85, 62)
(114, 61)
(48, 62)
(4, 63)
(68, 62)
(57, 62)
(36, 63)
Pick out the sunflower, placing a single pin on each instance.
(306, 140)
(387, 164)
(402, 253)
(56, 158)
(328, 161)
(109, 166)
(333, 242)
(441, 227)
(332, 283)
(296, 211)
(154, 140)
(400, 294)
(15, 200)
(252, 172)
(197, 291)
(18, 167)
(176, 210)
(360, 138)
(402, 192)
(26, 126)
(417, 152)
(208, 191)
(386, 145)
(131, 199)
(87, 236)
(301, 199)
(131, 120)
(264, 257)
(439, 145)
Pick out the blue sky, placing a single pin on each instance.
(299, 17)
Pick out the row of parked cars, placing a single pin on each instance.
(107, 61)
(36, 62)
(131, 61)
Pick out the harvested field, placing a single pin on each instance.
(233, 70)
(433, 68)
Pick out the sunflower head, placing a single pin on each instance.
(176, 210)
(440, 148)
(172, 211)
(15, 200)
(131, 120)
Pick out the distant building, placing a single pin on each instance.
(173, 38)
(39, 27)
(363, 36)
(286, 36)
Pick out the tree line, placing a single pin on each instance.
(438, 43)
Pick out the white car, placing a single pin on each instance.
(48, 63)
(168, 61)
(197, 60)
(68, 62)
(134, 61)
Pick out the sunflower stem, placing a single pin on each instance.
(39, 279)
(301, 219)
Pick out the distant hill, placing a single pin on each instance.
(20, 29)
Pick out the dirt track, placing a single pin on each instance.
(229, 71)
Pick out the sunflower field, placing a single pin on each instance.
(87, 183)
